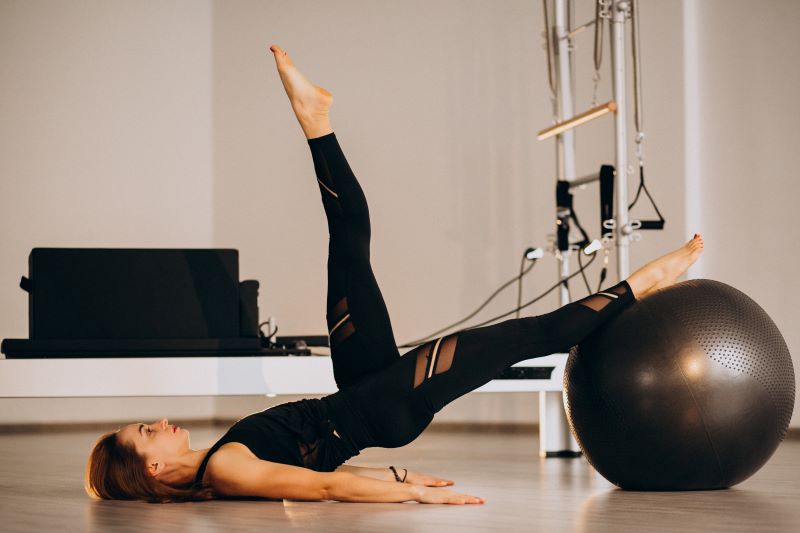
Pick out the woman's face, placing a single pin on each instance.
(156, 442)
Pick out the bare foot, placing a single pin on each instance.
(665, 270)
(309, 102)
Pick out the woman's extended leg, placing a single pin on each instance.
(400, 401)
(361, 337)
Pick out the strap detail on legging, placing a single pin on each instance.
(328, 188)
(433, 356)
(338, 324)
(610, 295)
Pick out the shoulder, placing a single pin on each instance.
(227, 459)
(235, 471)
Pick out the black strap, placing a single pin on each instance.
(198, 479)
(397, 476)
(565, 212)
(647, 224)
(606, 196)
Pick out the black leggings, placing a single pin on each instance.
(395, 397)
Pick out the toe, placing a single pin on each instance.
(281, 57)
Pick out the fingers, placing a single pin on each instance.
(433, 481)
(428, 480)
(448, 497)
(466, 500)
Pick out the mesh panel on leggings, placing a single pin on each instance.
(599, 300)
(423, 354)
(339, 323)
(446, 352)
(434, 357)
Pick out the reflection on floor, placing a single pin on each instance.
(42, 474)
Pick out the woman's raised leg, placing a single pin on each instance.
(361, 337)
(399, 402)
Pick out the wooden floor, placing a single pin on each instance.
(41, 490)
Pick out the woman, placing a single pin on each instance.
(297, 450)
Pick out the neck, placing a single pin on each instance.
(183, 469)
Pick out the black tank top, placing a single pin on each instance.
(297, 433)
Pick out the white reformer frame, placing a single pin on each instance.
(274, 376)
(211, 376)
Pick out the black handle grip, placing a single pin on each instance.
(652, 224)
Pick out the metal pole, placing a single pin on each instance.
(565, 140)
(555, 438)
(619, 12)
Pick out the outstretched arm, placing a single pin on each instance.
(354, 488)
(235, 474)
(385, 474)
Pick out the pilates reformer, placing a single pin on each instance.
(271, 376)
(616, 227)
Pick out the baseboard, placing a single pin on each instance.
(484, 427)
(67, 427)
(443, 427)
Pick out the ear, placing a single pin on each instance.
(155, 468)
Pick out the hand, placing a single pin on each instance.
(434, 495)
(418, 478)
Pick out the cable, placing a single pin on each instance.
(545, 293)
(271, 333)
(475, 312)
(585, 235)
(519, 283)
(583, 274)
(518, 308)
(602, 278)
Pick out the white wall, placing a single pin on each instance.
(743, 160)
(436, 105)
(138, 124)
(105, 140)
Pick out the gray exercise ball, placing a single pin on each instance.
(690, 388)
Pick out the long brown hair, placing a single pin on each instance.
(116, 472)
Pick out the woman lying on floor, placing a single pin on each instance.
(297, 450)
